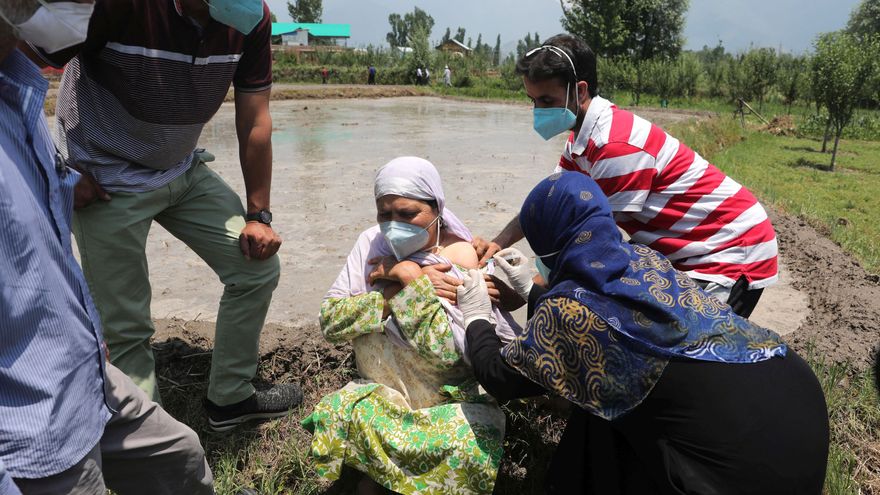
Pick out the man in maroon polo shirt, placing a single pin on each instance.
(132, 104)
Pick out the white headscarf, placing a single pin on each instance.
(416, 178)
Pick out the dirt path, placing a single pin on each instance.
(843, 322)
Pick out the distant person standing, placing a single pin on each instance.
(419, 76)
(427, 76)
(447, 76)
(325, 74)
(371, 77)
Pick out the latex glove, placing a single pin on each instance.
(473, 298)
(515, 266)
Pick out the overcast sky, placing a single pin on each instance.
(789, 24)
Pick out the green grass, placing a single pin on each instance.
(854, 416)
(481, 91)
(792, 174)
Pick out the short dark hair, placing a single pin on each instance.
(548, 64)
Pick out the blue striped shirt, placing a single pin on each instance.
(52, 401)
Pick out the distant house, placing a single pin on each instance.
(454, 46)
(306, 34)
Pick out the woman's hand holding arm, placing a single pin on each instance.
(388, 268)
(444, 284)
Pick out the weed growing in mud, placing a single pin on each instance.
(854, 416)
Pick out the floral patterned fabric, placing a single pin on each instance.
(452, 448)
(417, 422)
(344, 318)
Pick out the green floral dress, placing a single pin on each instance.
(418, 422)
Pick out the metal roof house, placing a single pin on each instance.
(305, 34)
(454, 46)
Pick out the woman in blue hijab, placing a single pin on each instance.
(673, 392)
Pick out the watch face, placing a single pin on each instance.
(265, 217)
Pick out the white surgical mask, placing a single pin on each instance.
(57, 26)
(406, 238)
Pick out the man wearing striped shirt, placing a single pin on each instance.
(664, 195)
(132, 104)
(69, 421)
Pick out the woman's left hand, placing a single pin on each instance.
(444, 284)
(388, 268)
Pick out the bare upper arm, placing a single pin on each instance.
(462, 254)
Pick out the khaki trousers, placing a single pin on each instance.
(201, 210)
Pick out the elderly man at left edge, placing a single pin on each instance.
(132, 104)
(70, 423)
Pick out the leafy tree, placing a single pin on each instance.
(272, 17)
(737, 84)
(307, 11)
(526, 44)
(480, 44)
(421, 48)
(446, 36)
(840, 68)
(403, 26)
(864, 21)
(469, 42)
(715, 62)
(397, 36)
(661, 76)
(459, 35)
(687, 70)
(496, 54)
(761, 67)
(640, 29)
(791, 71)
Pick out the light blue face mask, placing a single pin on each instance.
(543, 269)
(406, 238)
(550, 122)
(241, 15)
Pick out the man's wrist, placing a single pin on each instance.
(263, 216)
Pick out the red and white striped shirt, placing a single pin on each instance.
(669, 198)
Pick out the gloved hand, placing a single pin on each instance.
(473, 298)
(515, 266)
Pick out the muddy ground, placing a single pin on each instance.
(842, 324)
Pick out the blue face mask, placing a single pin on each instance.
(406, 238)
(543, 269)
(242, 15)
(551, 121)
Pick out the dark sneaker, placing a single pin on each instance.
(264, 404)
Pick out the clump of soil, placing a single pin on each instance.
(782, 125)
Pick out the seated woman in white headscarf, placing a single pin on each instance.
(416, 422)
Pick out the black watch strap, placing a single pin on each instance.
(262, 216)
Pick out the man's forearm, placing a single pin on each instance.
(253, 124)
(255, 153)
(510, 235)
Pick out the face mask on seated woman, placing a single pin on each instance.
(406, 238)
(411, 208)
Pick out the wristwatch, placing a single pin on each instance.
(262, 216)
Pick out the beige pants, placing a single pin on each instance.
(143, 451)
